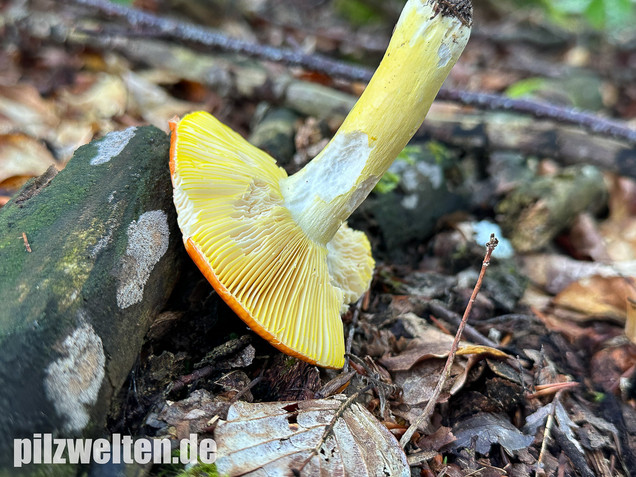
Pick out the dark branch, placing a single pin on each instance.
(189, 33)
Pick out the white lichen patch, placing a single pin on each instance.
(112, 145)
(148, 240)
(73, 381)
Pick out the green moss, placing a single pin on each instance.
(358, 12)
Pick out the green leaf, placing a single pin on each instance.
(525, 87)
(387, 183)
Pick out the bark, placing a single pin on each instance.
(496, 131)
(104, 251)
(537, 211)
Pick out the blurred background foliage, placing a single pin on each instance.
(613, 17)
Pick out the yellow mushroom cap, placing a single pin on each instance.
(276, 248)
(288, 288)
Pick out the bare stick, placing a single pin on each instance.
(352, 330)
(329, 429)
(546, 436)
(153, 25)
(490, 247)
(542, 110)
(26, 242)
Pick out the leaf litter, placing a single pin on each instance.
(56, 97)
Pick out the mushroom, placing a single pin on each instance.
(277, 248)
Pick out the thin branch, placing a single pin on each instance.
(406, 438)
(541, 110)
(329, 429)
(189, 33)
(438, 309)
(352, 330)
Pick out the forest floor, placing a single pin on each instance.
(545, 381)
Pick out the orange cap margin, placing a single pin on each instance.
(203, 265)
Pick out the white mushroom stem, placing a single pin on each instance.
(428, 39)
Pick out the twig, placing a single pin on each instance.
(249, 386)
(546, 436)
(490, 247)
(189, 33)
(212, 357)
(329, 429)
(547, 389)
(471, 333)
(541, 110)
(576, 456)
(26, 242)
(352, 330)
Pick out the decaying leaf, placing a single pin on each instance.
(189, 415)
(429, 342)
(23, 109)
(21, 157)
(105, 98)
(152, 102)
(555, 272)
(597, 297)
(630, 323)
(487, 429)
(275, 438)
(538, 418)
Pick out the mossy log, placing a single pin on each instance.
(88, 258)
(535, 212)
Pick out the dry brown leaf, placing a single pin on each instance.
(418, 383)
(586, 239)
(630, 323)
(609, 365)
(619, 230)
(273, 438)
(152, 102)
(555, 272)
(22, 109)
(105, 98)
(430, 342)
(22, 155)
(441, 437)
(192, 414)
(70, 135)
(597, 297)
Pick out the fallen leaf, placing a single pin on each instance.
(418, 383)
(191, 414)
(441, 437)
(105, 98)
(597, 297)
(22, 109)
(22, 155)
(274, 438)
(555, 272)
(538, 419)
(429, 342)
(486, 429)
(152, 102)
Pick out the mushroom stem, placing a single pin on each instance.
(428, 39)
